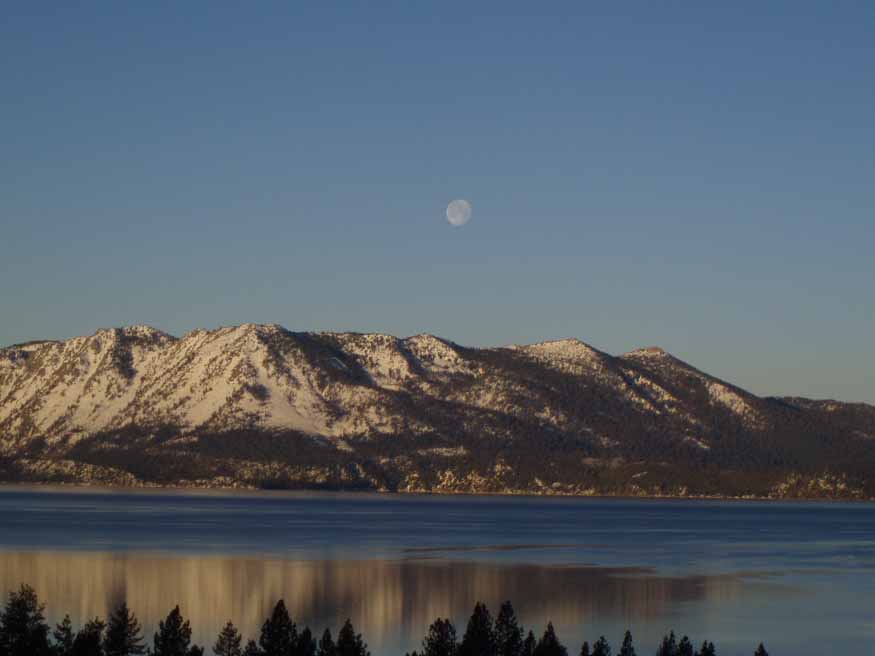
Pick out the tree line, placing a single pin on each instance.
(25, 632)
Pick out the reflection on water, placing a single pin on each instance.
(797, 576)
(391, 602)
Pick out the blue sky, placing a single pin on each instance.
(695, 175)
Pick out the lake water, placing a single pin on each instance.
(798, 576)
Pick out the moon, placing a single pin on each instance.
(459, 212)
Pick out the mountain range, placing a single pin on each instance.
(261, 406)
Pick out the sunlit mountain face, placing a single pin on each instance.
(261, 406)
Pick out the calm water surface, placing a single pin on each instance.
(797, 576)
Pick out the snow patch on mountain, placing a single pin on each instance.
(384, 357)
(568, 355)
(437, 355)
(723, 395)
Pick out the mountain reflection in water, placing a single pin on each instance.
(391, 602)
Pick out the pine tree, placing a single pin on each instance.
(123, 634)
(669, 646)
(252, 649)
(584, 649)
(306, 645)
(23, 629)
(440, 640)
(549, 644)
(479, 638)
(350, 643)
(89, 639)
(707, 649)
(627, 649)
(279, 635)
(685, 647)
(508, 634)
(228, 642)
(601, 647)
(64, 636)
(173, 637)
(530, 643)
(761, 651)
(326, 645)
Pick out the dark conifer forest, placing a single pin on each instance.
(24, 631)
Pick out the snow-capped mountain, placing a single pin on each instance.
(259, 405)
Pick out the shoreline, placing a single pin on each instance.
(219, 490)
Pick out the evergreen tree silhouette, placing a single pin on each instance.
(350, 643)
(279, 635)
(584, 649)
(228, 642)
(707, 649)
(508, 634)
(306, 645)
(685, 647)
(479, 638)
(601, 647)
(64, 636)
(669, 646)
(761, 651)
(529, 644)
(89, 639)
(173, 637)
(252, 649)
(23, 628)
(123, 634)
(326, 645)
(549, 644)
(627, 649)
(440, 640)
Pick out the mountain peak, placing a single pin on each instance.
(570, 347)
(257, 328)
(137, 331)
(256, 404)
(648, 352)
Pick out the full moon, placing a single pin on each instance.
(459, 212)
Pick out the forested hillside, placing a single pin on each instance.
(261, 406)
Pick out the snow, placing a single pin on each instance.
(697, 442)
(568, 355)
(728, 398)
(654, 352)
(436, 355)
(381, 356)
(739, 403)
(237, 375)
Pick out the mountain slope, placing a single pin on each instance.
(258, 405)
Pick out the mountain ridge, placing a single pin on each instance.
(257, 405)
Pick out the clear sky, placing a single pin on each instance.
(694, 175)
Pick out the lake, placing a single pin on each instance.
(798, 576)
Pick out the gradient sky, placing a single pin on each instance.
(697, 175)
